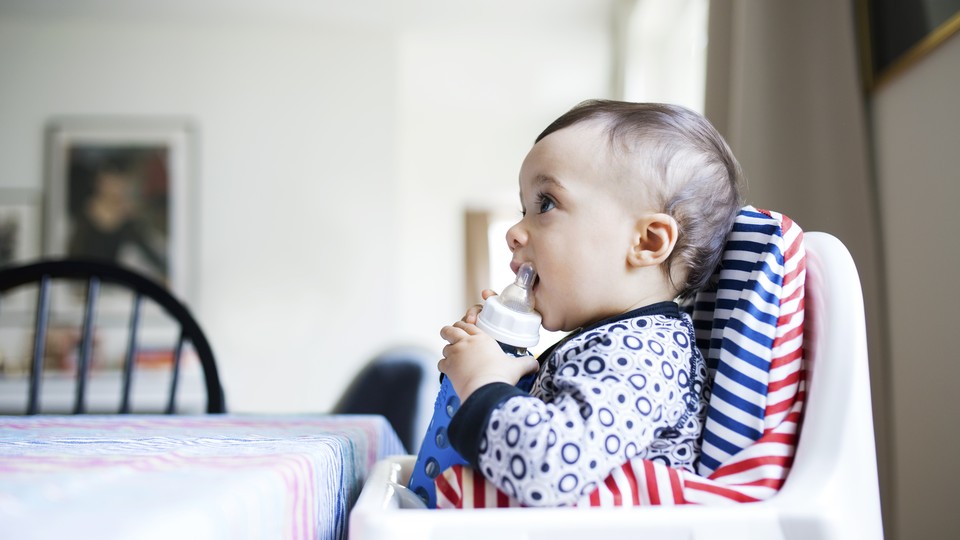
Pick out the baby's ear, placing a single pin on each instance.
(656, 235)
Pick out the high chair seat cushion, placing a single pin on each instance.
(749, 325)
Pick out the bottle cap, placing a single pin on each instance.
(510, 317)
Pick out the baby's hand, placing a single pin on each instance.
(474, 311)
(472, 359)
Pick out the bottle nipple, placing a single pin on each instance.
(510, 317)
(517, 295)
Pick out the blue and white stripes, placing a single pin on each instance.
(737, 324)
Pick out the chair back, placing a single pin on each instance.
(93, 275)
(832, 489)
(399, 383)
(750, 326)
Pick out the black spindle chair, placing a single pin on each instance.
(95, 274)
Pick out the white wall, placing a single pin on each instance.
(336, 154)
(295, 174)
(473, 99)
(916, 121)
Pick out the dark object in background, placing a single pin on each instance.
(390, 385)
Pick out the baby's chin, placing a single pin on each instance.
(550, 327)
(545, 320)
(549, 324)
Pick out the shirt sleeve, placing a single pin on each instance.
(603, 403)
(467, 426)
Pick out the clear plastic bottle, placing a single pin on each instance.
(509, 318)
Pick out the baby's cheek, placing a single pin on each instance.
(553, 308)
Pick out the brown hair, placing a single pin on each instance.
(694, 176)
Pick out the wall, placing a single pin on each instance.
(294, 173)
(474, 97)
(338, 149)
(916, 126)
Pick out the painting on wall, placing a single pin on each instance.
(19, 226)
(897, 33)
(118, 190)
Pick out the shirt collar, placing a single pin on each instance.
(667, 308)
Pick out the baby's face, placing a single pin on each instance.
(577, 229)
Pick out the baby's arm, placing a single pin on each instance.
(603, 411)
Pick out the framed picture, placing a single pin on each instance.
(897, 33)
(19, 225)
(118, 189)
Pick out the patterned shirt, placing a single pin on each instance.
(629, 386)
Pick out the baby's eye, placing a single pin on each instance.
(545, 203)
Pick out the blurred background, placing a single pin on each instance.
(350, 167)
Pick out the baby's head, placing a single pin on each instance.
(624, 164)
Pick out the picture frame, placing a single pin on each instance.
(19, 225)
(118, 188)
(895, 34)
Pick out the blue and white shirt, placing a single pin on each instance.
(630, 386)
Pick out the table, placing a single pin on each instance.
(179, 477)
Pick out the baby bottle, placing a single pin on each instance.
(511, 320)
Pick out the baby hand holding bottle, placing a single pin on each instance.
(472, 358)
(489, 345)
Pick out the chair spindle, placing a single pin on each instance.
(86, 345)
(131, 353)
(39, 344)
(175, 373)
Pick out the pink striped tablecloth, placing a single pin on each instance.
(178, 477)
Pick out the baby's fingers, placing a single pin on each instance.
(452, 334)
(474, 311)
(458, 330)
(532, 365)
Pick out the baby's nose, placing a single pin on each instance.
(516, 237)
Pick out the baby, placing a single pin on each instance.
(626, 209)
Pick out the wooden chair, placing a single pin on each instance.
(90, 276)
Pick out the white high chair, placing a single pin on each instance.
(831, 491)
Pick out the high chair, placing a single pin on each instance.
(831, 490)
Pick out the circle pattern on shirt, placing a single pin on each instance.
(604, 395)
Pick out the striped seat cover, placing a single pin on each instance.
(749, 323)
